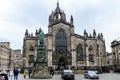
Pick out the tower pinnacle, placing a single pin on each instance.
(57, 3)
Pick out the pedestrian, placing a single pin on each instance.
(25, 73)
(51, 72)
(15, 74)
(11, 73)
(29, 73)
(19, 70)
(3, 75)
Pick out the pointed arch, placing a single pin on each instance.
(61, 63)
(61, 41)
(79, 50)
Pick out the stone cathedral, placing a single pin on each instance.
(64, 48)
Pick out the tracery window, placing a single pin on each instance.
(80, 56)
(61, 41)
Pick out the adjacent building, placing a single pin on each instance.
(18, 59)
(5, 52)
(64, 48)
(9, 57)
(115, 46)
(110, 60)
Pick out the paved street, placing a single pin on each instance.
(106, 76)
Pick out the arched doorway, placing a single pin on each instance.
(61, 64)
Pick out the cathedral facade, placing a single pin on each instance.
(64, 48)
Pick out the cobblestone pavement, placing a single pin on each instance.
(105, 76)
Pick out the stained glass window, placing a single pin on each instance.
(61, 41)
(80, 56)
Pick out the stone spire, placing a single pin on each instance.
(57, 4)
(71, 20)
(101, 35)
(36, 32)
(26, 33)
(94, 33)
(57, 10)
(85, 34)
(98, 36)
(31, 34)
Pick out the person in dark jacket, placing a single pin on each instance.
(29, 73)
(16, 74)
(52, 72)
(3, 75)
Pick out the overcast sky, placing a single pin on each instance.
(18, 15)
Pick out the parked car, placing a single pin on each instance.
(91, 75)
(67, 75)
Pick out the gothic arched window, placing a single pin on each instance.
(91, 56)
(80, 56)
(61, 41)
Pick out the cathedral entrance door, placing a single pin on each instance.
(61, 64)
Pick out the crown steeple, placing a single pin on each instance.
(58, 16)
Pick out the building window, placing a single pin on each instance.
(80, 56)
(61, 41)
(31, 58)
(91, 56)
(91, 59)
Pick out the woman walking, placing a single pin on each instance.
(11, 74)
(25, 73)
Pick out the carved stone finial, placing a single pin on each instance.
(36, 32)
(26, 33)
(101, 35)
(98, 36)
(94, 33)
(71, 20)
(85, 34)
(57, 4)
(31, 34)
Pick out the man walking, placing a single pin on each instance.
(15, 74)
